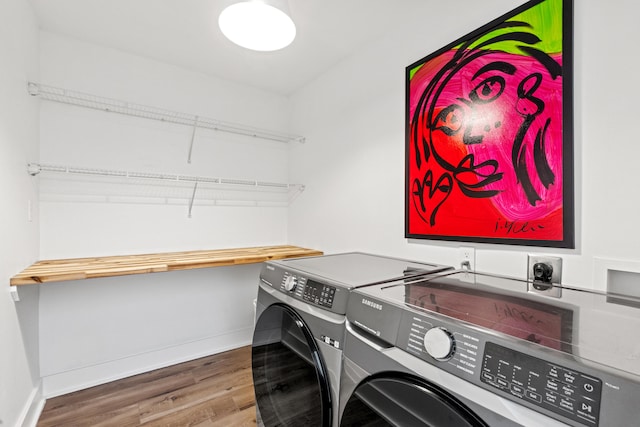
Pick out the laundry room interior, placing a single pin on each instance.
(131, 128)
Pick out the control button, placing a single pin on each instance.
(290, 283)
(517, 390)
(502, 383)
(439, 343)
(567, 404)
(568, 390)
(552, 385)
(586, 408)
(551, 398)
(588, 388)
(487, 376)
(533, 396)
(569, 378)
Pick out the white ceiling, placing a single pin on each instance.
(185, 33)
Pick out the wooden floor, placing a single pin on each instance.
(215, 391)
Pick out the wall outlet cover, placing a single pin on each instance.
(467, 258)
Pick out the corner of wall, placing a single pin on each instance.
(33, 408)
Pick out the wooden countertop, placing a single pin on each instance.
(58, 270)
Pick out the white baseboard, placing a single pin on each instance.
(78, 379)
(32, 408)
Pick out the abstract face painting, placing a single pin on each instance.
(489, 133)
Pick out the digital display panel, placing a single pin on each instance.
(319, 293)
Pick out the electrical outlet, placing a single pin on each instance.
(544, 275)
(467, 258)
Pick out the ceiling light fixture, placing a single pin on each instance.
(262, 25)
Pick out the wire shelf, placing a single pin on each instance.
(95, 102)
(106, 185)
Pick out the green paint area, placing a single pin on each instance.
(414, 70)
(544, 20)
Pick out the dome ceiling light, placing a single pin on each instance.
(262, 25)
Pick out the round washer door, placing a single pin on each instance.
(289, 375)
(396, 399)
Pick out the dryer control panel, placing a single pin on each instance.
(318, 293)
(308, 290)
(311, 290)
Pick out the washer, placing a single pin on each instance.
(300, 327)
(470, 349)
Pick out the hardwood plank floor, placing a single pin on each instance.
(214, 391)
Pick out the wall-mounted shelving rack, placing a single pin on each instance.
(206, 190)
(195, 187)
(95, 102)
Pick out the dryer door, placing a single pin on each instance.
(289, 375)
(396, 399)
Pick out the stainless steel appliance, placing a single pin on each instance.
(299, 331)
(470, 349)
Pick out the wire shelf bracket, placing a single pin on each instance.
(193, 196)
(193, 137)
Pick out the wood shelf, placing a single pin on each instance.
(58, 270)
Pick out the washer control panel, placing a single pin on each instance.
(553, 387)
(572, 395)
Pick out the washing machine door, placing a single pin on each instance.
(396, 399)
(289, 375)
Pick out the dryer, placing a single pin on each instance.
(471, 349)
(299, 331)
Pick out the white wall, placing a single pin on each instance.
(19, 373)
(99, 330)
(353, 165)
(76, 222)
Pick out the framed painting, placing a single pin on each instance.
(489, 133)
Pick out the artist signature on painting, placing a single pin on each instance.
(515, 227)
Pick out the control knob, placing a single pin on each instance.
(439, 343)
(290, 283)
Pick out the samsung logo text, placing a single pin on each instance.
(372, 304)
